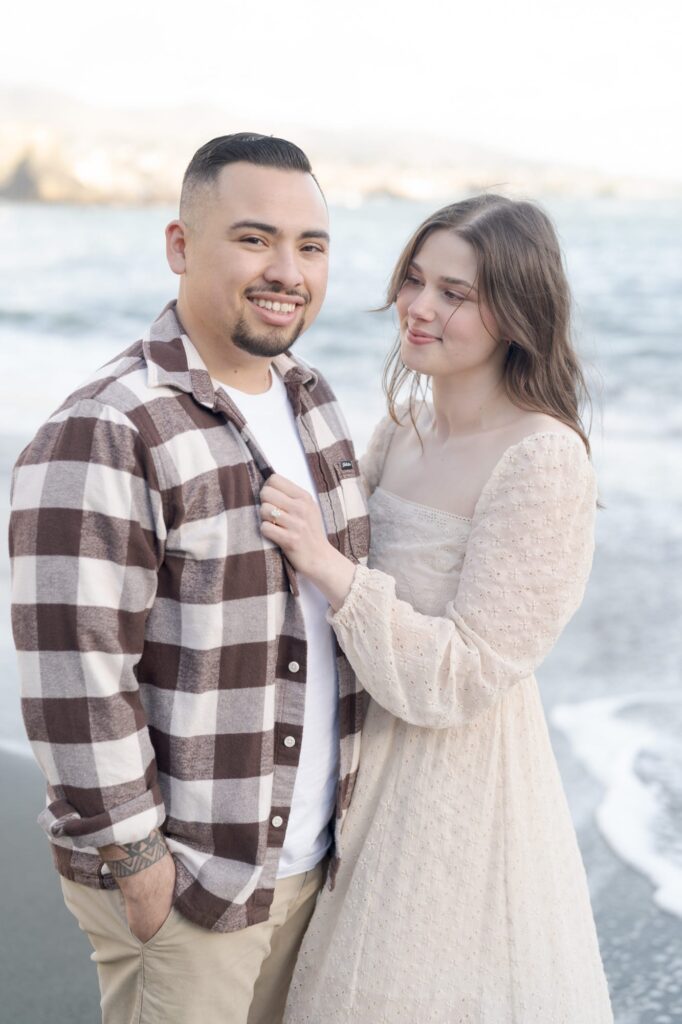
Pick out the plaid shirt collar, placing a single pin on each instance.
(173, 361)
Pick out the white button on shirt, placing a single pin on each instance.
(277, 822)
(294, 666)
(289, 741)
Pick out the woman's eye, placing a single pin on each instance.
(253, 240)
(411, 280)
(453, 296)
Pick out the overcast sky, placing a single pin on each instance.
(591, 82)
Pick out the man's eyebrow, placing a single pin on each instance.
(315, 233)
(256, 225)
(446, 280)
(270, 229)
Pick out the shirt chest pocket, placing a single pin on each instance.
(352, 498)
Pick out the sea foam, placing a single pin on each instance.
(631, 746)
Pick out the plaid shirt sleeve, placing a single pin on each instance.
(86, 539)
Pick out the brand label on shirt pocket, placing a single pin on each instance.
(352, 497)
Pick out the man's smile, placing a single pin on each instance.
(284, 307)
(276, 309)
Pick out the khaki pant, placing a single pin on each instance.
(186, 974)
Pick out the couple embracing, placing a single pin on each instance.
(295, 774)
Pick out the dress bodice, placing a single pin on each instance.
(421, 547)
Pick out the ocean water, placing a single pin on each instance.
(78, 285)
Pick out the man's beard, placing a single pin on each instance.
(271, 344)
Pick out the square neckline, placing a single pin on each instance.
(535, 435)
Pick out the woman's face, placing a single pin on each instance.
(444, 327)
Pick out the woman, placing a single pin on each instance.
(461, 895)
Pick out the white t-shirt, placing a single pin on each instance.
(308, 837)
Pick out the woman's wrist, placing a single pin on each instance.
(333, 576)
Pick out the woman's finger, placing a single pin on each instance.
(287, 487)
(277, 534)
(271, 513)
(273, 496)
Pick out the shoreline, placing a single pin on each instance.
(639, 942)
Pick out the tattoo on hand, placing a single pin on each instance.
(139, 856)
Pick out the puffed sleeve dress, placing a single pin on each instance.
(461, 897)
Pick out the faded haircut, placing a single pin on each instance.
(241, 147)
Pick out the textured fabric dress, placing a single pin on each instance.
(461, 896)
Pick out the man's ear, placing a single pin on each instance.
(176, 241)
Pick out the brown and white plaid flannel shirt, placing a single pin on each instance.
(161, 644)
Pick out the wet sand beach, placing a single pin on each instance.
(46, 976)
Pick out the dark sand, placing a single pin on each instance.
(46, 976)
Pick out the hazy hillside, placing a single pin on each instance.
(55, 149)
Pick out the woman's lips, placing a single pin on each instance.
(420, 337)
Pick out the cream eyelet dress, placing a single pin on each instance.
(461, 896)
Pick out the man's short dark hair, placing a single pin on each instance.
(245, 147)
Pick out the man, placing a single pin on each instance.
(197, 724)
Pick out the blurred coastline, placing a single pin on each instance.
(59, 150)
(78, 283)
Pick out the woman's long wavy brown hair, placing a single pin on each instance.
(522, 280)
